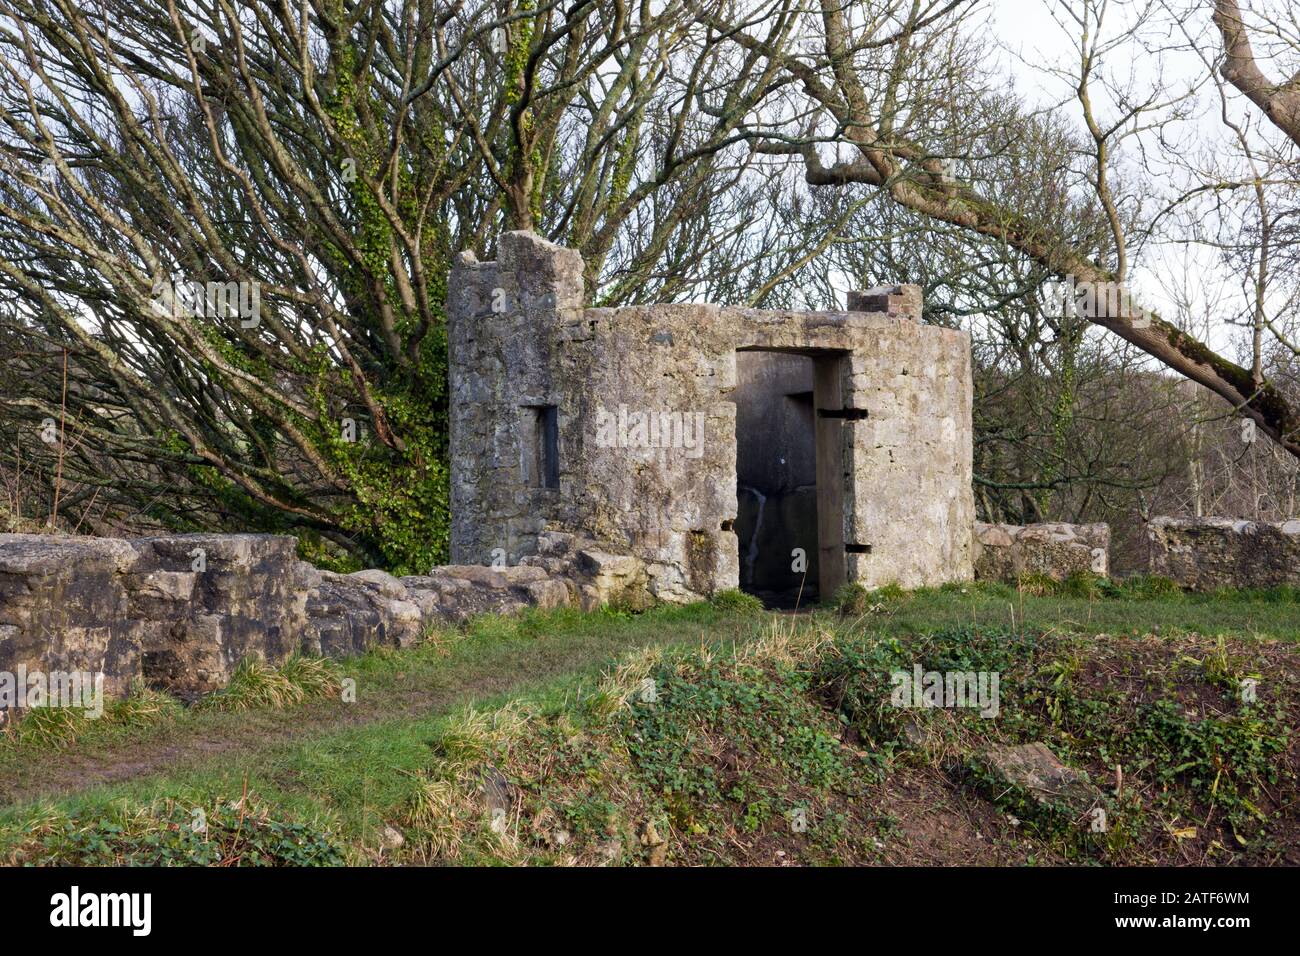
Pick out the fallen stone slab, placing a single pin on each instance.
(1034, 775)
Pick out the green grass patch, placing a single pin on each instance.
(258, 684)
(353, 764)
(771, 754)
(239, 833)
(45, 728)
(718, 734)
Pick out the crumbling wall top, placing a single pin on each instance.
(904, 301)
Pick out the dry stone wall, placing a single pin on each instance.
(1006, 552)
(1203, 554)
(1199, 554)
(181, 611)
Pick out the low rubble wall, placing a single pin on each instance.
(1203, 554)
(1005, 552)
(182, 611)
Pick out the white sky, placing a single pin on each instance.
(1032, 40)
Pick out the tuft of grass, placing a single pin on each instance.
(734, 601)
(1037, 584)
(312, 676)
(1147, 587)
(855, 600)
(51, 726)
(631, 676)
(257, 684)
(477, 735)
(447, 815)
(143, 706)
(1221, 668)
(1083, 584)
(434, 813)
(56, 727)
(851, 600)
(786, 643)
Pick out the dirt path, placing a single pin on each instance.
(199, 739)
(69, 770)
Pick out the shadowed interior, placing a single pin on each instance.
(776, 477)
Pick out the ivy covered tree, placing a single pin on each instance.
(225, 234)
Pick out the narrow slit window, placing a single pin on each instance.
(544, 446)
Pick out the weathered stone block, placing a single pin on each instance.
(903, 300)
(1034, 771)
(1207, 553)
(381, 581)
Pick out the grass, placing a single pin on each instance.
(702, 734)
(256, 684)
(1136, 607)
(239, 833)
(53, 728)
(349, 750)
(785, 750)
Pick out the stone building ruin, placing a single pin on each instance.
(715, 444)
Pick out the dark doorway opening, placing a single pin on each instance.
(776, 478)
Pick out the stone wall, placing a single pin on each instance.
(182, 611)
(1004, 552)
(179, 610)
(1203, 554)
